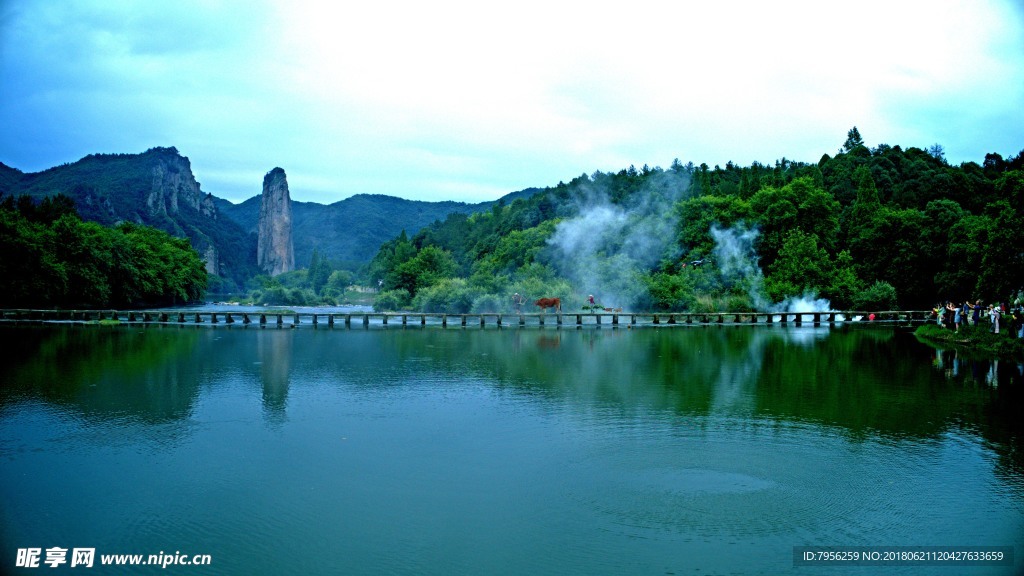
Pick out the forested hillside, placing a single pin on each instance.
(864, 228)
(349, 232)
(155, 188)
(52, 259)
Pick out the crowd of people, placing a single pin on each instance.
(998, 315)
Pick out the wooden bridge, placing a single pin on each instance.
(405, 319)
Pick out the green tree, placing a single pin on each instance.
(447, 295)
(319, 271)
(391, 300)
(85, 250)
(426, 268)
(697, 215)
(853, 140)
(797, 205)
(1002, 263)
(30, 274)
(801, 267)
(339, 281)
(880, 296)
(58, 260)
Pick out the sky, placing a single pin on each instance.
(468, 101)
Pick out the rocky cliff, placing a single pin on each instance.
(173, 184)
(156, 188)
(275, 253)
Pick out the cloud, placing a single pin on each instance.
(430, 100)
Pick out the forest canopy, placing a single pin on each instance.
(864, 229)
(52, 259)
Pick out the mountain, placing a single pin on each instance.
(157, 188)
(352, 229)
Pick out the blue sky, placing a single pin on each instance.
(471, 100)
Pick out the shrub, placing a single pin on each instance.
(449, 296)
(391, 300)
(879, 296)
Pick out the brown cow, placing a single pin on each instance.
(545, 303)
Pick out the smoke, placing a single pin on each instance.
(737, 261)
(606, 248)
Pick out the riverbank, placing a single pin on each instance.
(974, 338)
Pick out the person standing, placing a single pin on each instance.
(994, 313)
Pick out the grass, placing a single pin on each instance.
(976, 338)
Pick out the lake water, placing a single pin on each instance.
(691, 450)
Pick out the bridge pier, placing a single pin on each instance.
(520, 318)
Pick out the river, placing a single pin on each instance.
(687, 450)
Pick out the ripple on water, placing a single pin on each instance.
(716, 479)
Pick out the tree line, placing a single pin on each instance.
(876, 228)
(54, 259)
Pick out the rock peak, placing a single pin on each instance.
(275, 252)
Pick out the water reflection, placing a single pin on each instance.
(962, 366)
(275, 363)
(639, 451)
(864, 381)
(1002, 383)
(104, 372)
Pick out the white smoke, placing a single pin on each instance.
(606, 248)
(735, 257)
(737, 262)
